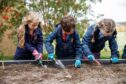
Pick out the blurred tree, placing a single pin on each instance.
(11, 15)
(53, 10)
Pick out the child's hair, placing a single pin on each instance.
(68, 23)
(21, 31)
(101, 25)
(109, 22)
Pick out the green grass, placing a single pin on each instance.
(3, 57)
(104, 55)
(7, 58)
(107, 54)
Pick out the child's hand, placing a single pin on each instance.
(91, 58)
(115, 59)
(77, 63)
(51, 56)
(38, 57)
(35, 53)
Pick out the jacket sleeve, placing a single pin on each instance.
(113, 47)
(40, 42)
(87, 40)
(78, 46)
(49, 40)
(28, 46)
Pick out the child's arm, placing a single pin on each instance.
(49, 40)
(28, 46)
(40, 42)
(87, 40)
(114, 47)
(78, 46)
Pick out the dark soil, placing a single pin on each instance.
(87, 74)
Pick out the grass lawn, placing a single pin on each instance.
(104, 55)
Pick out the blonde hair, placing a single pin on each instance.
(109, 22)
(101, 25)
(30, 16)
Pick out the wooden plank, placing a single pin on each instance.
(65, 61)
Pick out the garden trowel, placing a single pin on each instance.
(61, 65)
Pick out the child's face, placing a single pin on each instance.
(69, 33)
(33, 24)
(107, 29)
(106, 33)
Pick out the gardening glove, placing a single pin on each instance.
(35, 53)
(91, 58)
(51, 56)
(38, 57)
(77, 63)
(115, 59)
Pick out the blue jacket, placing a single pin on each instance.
(70, 49)
(124, 53)
(30, 44)
(89, 47)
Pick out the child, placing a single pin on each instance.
(124, 53)
(30, 38)
(67, 41)
(95, 38)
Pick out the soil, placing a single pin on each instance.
(87, 74)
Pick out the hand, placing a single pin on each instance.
(38, 57)
(115, 59)
(51, 56)
(77, 63)
(35, 53)
(91, 58)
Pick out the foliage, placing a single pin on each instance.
(11, 15)
(53, 10)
